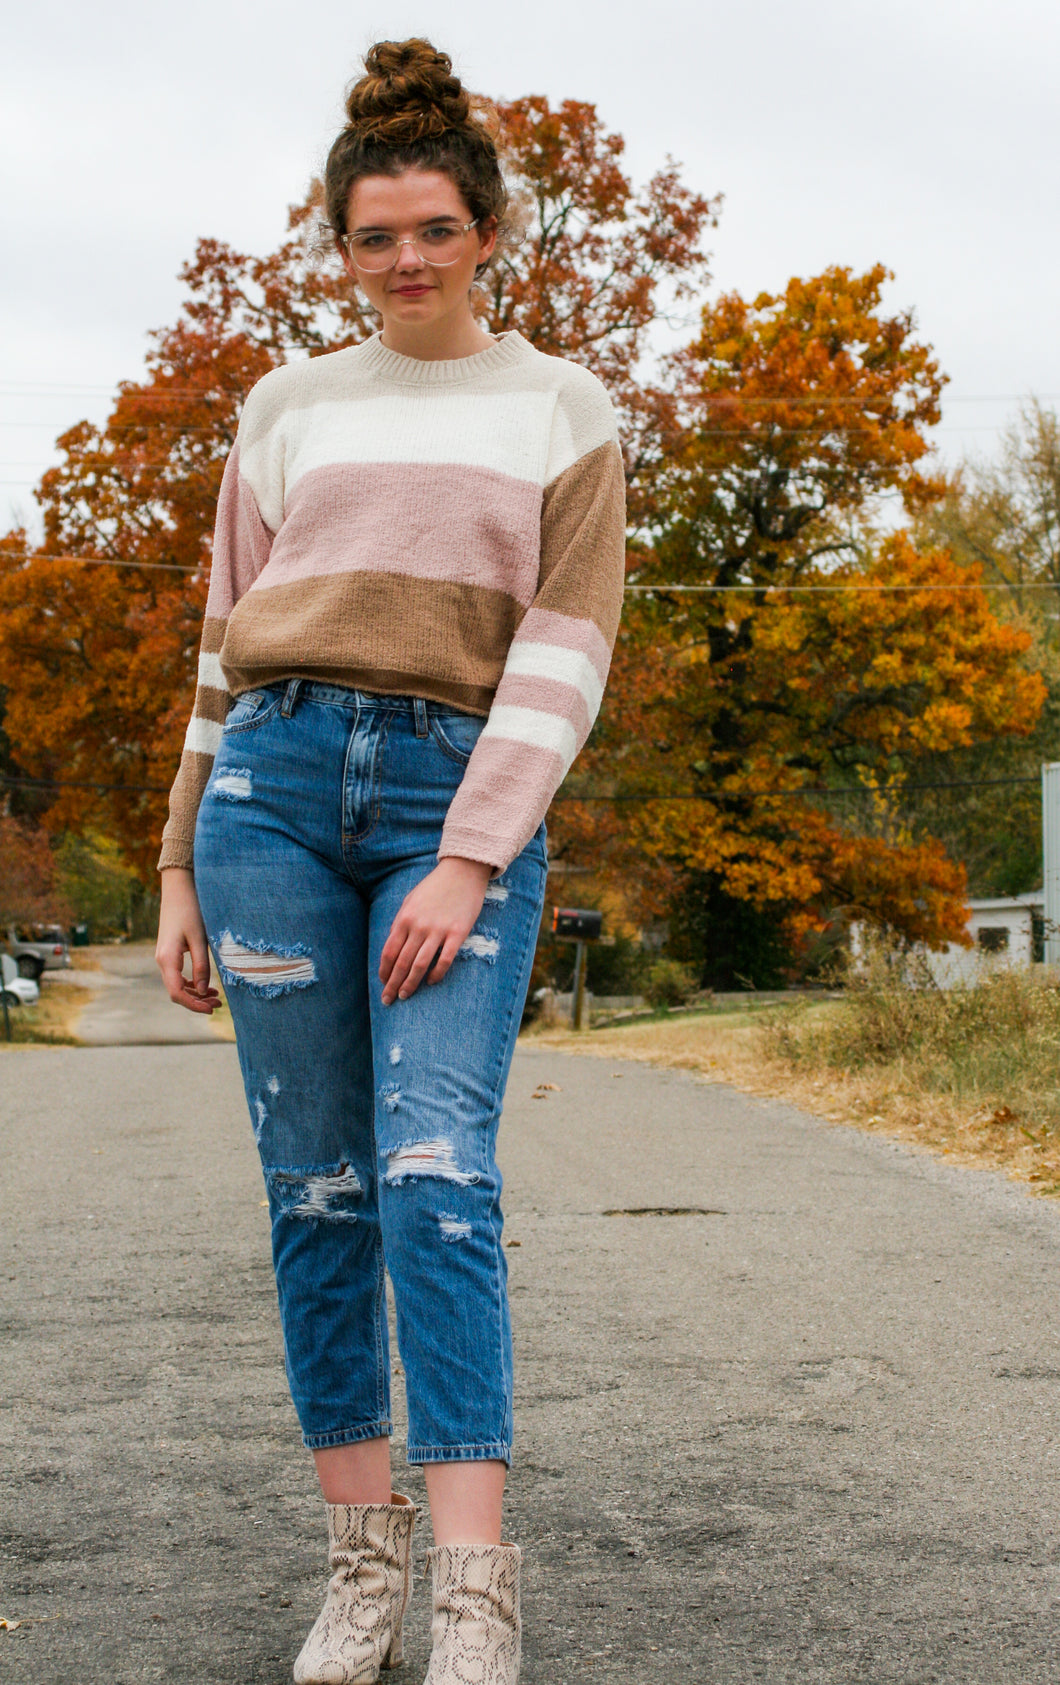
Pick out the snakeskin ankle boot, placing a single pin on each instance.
(475, 1631)
(358, 1631)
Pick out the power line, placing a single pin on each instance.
(105, 461)
(17, 388)
(805, 790)
(929, 585)
(23, 782)
(117, 562)
(667, 588)
(630, 590)
(767, 431)
(112, 427)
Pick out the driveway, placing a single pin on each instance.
(131, 1007)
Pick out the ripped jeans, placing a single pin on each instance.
(376, 1125)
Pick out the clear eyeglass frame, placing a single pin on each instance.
(391, 252)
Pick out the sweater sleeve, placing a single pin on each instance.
(241, 547)
(553, 679)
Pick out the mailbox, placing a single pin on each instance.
(577, 924)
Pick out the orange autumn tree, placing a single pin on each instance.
(743, 676)
(100, 659)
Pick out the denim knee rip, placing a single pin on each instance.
(453, 1228)
(266, 968)
(415, 1159)
(318, 1196)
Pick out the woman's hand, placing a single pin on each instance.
(437, 914)
(180, 932)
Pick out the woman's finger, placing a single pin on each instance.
(196, 1002)
(450, 949)
(200, 964)
(400, 966)
(419, 968)
(395, 942)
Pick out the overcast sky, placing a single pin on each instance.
(923, 133)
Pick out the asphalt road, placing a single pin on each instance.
(805, 1431)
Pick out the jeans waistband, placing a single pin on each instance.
(346, 696)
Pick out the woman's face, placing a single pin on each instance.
(413, 292)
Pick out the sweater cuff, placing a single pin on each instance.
(177, 851)
(494, 852)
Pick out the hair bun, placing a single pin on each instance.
(408, 93)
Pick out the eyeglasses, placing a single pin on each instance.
(437, 244)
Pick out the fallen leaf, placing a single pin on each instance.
(8, 1626)
(515, 1243)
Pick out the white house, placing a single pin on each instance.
(1006, 930)
(1002, 928)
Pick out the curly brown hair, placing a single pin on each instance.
(408, 111)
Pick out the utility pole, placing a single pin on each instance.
(1051, 859)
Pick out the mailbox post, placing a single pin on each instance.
(578, 925)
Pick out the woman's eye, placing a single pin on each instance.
(438, 234)
(373, 242)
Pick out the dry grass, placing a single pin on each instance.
(221, 1019)
(971, 1074)
(52, 1021)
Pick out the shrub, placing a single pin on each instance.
(995, 1041)
(669, 983)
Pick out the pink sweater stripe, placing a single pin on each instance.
(517, 786)
(412, 519)
(241, 542)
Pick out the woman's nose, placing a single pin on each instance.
(408, 257)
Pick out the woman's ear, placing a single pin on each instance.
(486, 243)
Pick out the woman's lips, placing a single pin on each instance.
(412, 292)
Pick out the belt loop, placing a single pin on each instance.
(289, 697)
(419, 709)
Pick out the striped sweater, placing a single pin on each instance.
(452, 530)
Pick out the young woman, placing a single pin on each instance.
(417, 575)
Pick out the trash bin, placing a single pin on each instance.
(79, 936)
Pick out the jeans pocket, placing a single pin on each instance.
(457, 734)
(249, 710)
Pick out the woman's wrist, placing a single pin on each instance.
(477, 868)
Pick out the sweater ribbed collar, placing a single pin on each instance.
(377, 359)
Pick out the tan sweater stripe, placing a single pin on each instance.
(211, 704)
(583, 530)
(213, 634)
(333, 626)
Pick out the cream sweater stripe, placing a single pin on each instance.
(566, 666)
